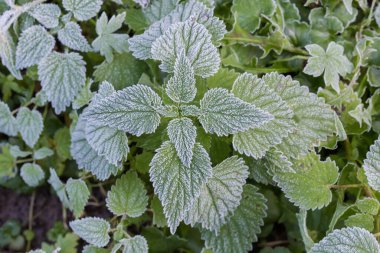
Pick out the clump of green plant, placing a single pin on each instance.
(209, 126)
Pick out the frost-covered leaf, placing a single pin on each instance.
(93, 230)
(8, 54)
(181, 87)
(182, 133)
(243, 225)
(47, 14)
(143, 4)
(86, 157)
(62, 76)
(8, 123)
(58, 187)
(136, 244)
(34, 44)
(176, 185)
(256, 142)
(190, 110)
(42, 153)
(368, 205)
(16, 152)
(223, 113)
(127, 196)
(108, 142)
(158, 9)
(220, 196)
(132, 110)
(71, 36)
(191, 38)
(78, 194)
(309, 185)
(372, 165)
(332, 62)
(84, 96)
(248, 13)
(355, 240)
(141, 45)
(30, 125)
(315, 120)
(107, 40)
(83, 9)
(360, 220)
(32, 174)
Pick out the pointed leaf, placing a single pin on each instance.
(30, 125)
(32, 174)
(78, 194)
(71, 36)
(256, 142)
(136, 244)
(46, 14)
(8, 54)
(93, 230)
(242, 227)
(83, 9)
(62, 77)
(8, 123)
(182, 133)
(176, 185)
(128, 196)
(372, 165)
(132, 110)
(42, 153)
(58, 187)
(158, 9)
(222, 113)
(220, 196)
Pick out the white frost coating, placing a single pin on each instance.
(30, 125)
(136, 244)
(8, 53)
(34, 44)
(83, 9)
(224, 114)
(353, 240)
(372, 165)
(132, 110)
(78, 195)
(177, 186)
(93, 230)
(62, 77)
(195, 41)
(32, 174)
(86, 157)
(181, 87)
(315, 120)
(107, 40)
(182, 133)
(141, 45)
(158, 9)
(143, 4)
(47, 14)
(71, 36)
(58, 187)
(256, 142)
(238, 234)
(220, 196)
(8, 124)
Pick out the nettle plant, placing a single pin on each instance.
(267, 127)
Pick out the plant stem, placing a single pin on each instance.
(295, 57)
(346, 186)
(24, 160)
(30, 219)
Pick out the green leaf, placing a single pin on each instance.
(308, 186)
(132, 110)
(42, 153)
(78, 194)
(372, 165)
(32, 174)
(256, 142)
(8, 123)
(222, 113)
(83, 9)
(159, 219)
(248, 13)
(16, 152)
(332, 62)
(71, 36)
(302, 218)
(195, 41)
(93, 230)
(220, 196)
(159, 9)
(62, 140)
(30, 125)
(315, 120)
(181, 87)
(46, 14)
(34, 44)
(136, 244)
(176, 185)
(360, 220)
(368, 205)
(62, 77)
(58, 187)
(84, 96)
(7, 163)
(347, 240)
(128, 196)
(107, 40)
(182, 133)
(238, 234)
(8, 54)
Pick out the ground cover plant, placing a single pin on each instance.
(213, 126)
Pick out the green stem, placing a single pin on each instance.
(295, 57)
(24, 160)
(30, 219)
(346, 186)
(268, 70)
